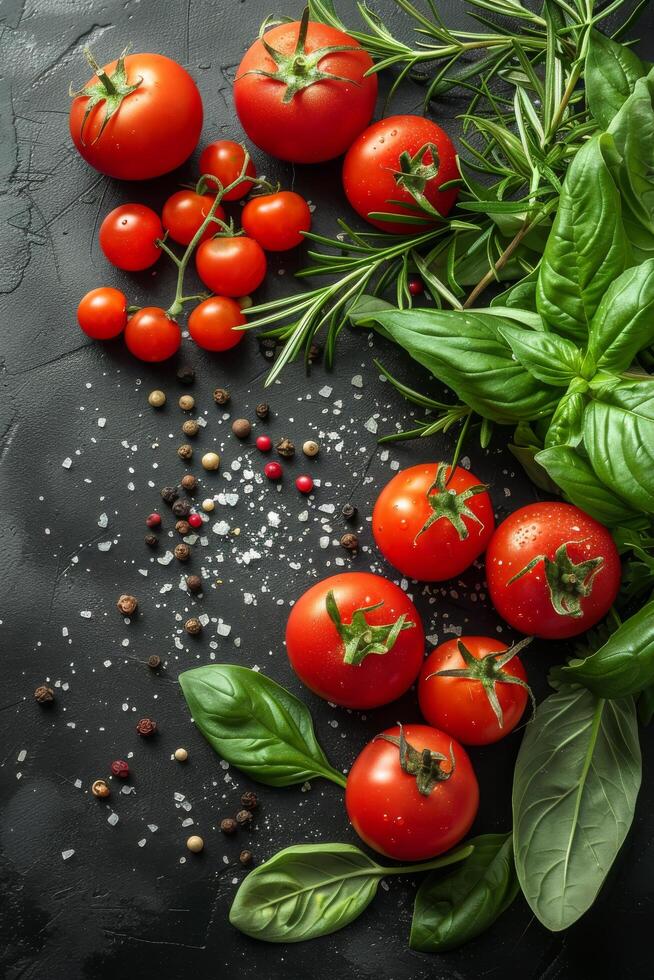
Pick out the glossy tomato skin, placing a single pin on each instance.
(102, 313)
(152, 336)
(127, 237)
(402, 510)
(391, 816)
(458, 705)
(539, 529)
(155, 129)
(231, 266)
(373, 159)
(211, 322)
(224, 160)
(322, 120)
(316, 650)
(185, 211)
(277, 220)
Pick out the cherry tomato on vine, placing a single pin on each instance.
(552, 570)
(102, 313)
(408, 803)
(224, 160)
(137, 118)
(396, 154)
(185, 211)
(355, 639)
(211, 322)
(474, 688)
(152, 336)
(276, 221)
(127, 237)
(231, 266)
(431, 525)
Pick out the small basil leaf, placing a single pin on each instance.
(566, 427)
(624, 321)
(521, 295)
(549, 358)
(576, 780)
(611, 72)
(256, 725)
(452, 910)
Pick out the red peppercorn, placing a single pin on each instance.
(264, 444)
(273, 471)
(195, 520)
(120, 768)
(416, 286)
(153, 520)
(304, 484)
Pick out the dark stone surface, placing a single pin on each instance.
(114, 908)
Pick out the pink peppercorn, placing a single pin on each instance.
(264, 444)
(195, 520)
(120, 768)
(304, 484)
(416, 286)
(153, 520)
(273, 470)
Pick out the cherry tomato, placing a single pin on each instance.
(372, 170)
(155, 127)
(231, 266)
(416, 811)
(277, 220)
(432, 527)
(317, 119)
(102, 313)
(211, 322)
(127, 237)
(224, 160)
(485, 700)
(185, 211)
(355, 639)
(552, 570)
(152, 336)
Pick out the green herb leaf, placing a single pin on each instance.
(566, 427)
(549, 358)
(575, 786)
(646, 706)
(611, 73)
(256, 725)
(450, 911)
(624, 321)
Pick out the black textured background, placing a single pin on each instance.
(116, 908)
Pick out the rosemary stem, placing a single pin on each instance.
(491, 275)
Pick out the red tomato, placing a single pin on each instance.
(152, 336)
(392, 814)
(185, 211)
(372, 170)
(211, 322)
(300, 114)
(224, 160)
(155, 123)
(127, 237)
(102, 313)
(231, 266)
(431, 527)
(277, 220)
(460, 705)
(355, 639)
(552, 570)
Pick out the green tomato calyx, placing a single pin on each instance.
(449, 504)
(424, 765)
(567, 583)
(110, 89)
(414, 175)
(359, 637)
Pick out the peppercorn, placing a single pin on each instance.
(182, 507)
(154, 662)
(189, 482)
(185, 451)
(211, 461)
(273, 470)
(157, 398)
(190, 428)
(193, 626)
(221, 396)
(349, 512)
(194, 584)
(181, 755)
(151, 540)
(146, 726)
(263, 444)
(100, 788)
(186, 403)
(416, 286)
(245, 302)
(350, 541)
(208, 505)
(249, 800)
(127, 605)
(195, 844)
(186, 374)
(304, 483)
(183, 527)
(241, 428)
(182, 552)
(244, 818)
(268, 346)
(246, 858)
(310, 448)
(169, 494)
(285, 448)
(228, 826)
(153, 520)
(120, 769)
(262, 410)
(44, 694)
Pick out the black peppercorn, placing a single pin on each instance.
(151, 540)
(127, 605)
(244, 818)
(194, 584)
(182, 552)
(349, 512)
(182, 507)
(169, 494)
(285, 448)
(249, 800)
(154, 662)
(185, 451)
(44, 694)
(221, 396)
(246, 858)
(146, 726)
(183, 527)
(228, 826)
(186, 374)
(350, 541)
(193, 626)
(262, 410)
(189, 482)
(191, 427)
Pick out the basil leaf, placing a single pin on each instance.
(624, 321)
(525, 447)
(566, 427)
(587, 247)
(646, 706)
(452, 910)
(549, 358)
(256, 725)
(624, 665)
(619, 440)
(611, 72)
(521, 295)
(576, 781)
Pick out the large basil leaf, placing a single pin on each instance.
(624, 321)
(549, 358)
(587, 247)
(575, 785)
(624, 665)
(611, 72)
(619, 440)
(451, 910)
(466, 352)
(255, 724)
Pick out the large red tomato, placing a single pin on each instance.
(392, 156)
(317, 100)
(355, 639)
(137, 118)
(430, 526)
(552, 570)
(412, 793)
